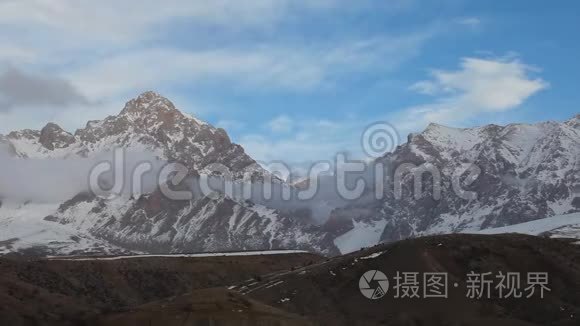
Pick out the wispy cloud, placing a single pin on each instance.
(275, 67)
(16, 55)
(110, 21)
(110, 51)
(469, 21)
(479, 86)
(230, 125)
(310, 140)
(281, 124)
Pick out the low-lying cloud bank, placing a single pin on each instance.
(57, 180)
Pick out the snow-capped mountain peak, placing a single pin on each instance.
(154, 106)
(148, 103)
(152, 123)
(526, 172)
(149, 122)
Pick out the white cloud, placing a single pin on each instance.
(290, 150)
(111, 79)
(425, 87)
(16, 55)
(52, 29)
(230, 125)
(479, 86)
(74, 32)
(310, 140)
(469, 21)
(127, 21)
(129, 72)
(69, 118)
(112, 50)
(293, 68)
(281, 124)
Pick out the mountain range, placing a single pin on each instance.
(526, 172)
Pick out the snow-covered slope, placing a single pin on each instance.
(561, 226)
(155, 224)
(528, 172)
(152, 223)
(361, 236)
(202, 255)
(23, 228)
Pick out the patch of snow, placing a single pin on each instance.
(274, 284)
(373, 256)
(190, 117)
(200, 255)
(361, 236)
(22, 226)
(538, 226)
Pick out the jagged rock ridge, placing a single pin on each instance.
(528, 172)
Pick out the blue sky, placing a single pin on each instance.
(292, 80)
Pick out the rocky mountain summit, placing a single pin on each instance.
(52, 137)
(149, 122)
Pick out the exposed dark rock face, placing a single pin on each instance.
(153, 223)
(528, 172)
(53, 136)
(148, 122)
(153, 121)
